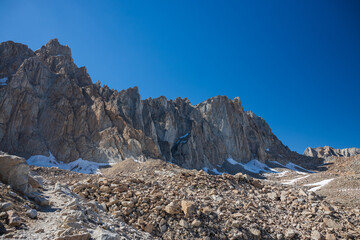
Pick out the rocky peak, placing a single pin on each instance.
(329, 152)
(52, 106)
(12, 55)
(53, 48)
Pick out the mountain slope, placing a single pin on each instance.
(48, 104)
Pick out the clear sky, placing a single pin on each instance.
(294, 63)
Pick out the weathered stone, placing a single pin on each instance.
(316, 235)
(302, 193)
(188, 207)
(172, 208)
(196, 223)
(105, 189)
(289, 233)
(42, 201)
(128, 204)
(33, 182)
(102, 234)
(183, 223)
(331, 223)
(255, 233)
(330, 236)
(31, 213)
(149, 228)
(14, 171)
(273, 196)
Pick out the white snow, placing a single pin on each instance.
(80, 165)
(318, 184)
(232, 161)
(3, 81)
(254, 166)
(294, 167)
(297, 168)
(291, 182)
(281, 174)
(214, 170)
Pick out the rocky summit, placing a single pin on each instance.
(80, 161)
(329, 152)
(48, 104)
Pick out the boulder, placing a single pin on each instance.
(31, 213)
(102, 234)
(188, 207)
(14, 171)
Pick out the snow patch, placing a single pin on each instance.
(318, 184)
(297, 168)
(214, 170)
(291, 182)
(294, 167)
(254, 166)
(80, 165)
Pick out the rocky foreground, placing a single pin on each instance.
(159, 200)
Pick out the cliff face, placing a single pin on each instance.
(328, 152)
(48, 104)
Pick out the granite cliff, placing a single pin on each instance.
(48, 104)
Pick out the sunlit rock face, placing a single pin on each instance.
(48, 104)
(328, 152)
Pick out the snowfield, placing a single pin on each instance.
(254, 166)
(80, 165)
(318, 184)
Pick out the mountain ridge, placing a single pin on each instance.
(328, 152)
(51, 105)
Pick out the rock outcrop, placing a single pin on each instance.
(48, 104)
(328, 152)
(14, 171)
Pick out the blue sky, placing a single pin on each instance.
(294, 63)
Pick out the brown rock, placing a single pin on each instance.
(14, 171)
(330, 236)
(196, 223)
(331, 223)
(83, 236)
(33, 183)
(149, 228)
(255, 232)
(172, 208)
(188, 207)
(316, 235)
